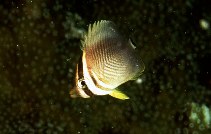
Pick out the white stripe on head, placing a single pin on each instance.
(89, 82)
(82, 93)
(78, 88)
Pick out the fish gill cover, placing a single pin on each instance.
(40, 47)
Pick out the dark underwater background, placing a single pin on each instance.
(40, 47)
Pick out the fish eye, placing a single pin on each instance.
(81, 83)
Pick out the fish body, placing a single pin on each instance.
(108, 60)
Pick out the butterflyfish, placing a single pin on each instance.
(108, 60)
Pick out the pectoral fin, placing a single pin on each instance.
(118, 94)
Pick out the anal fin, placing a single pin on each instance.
(118, 94)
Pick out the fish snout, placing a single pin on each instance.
(74, 93)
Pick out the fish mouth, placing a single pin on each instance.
(74, 93)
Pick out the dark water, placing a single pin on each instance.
(40, 46)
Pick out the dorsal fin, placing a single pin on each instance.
(99, 30)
